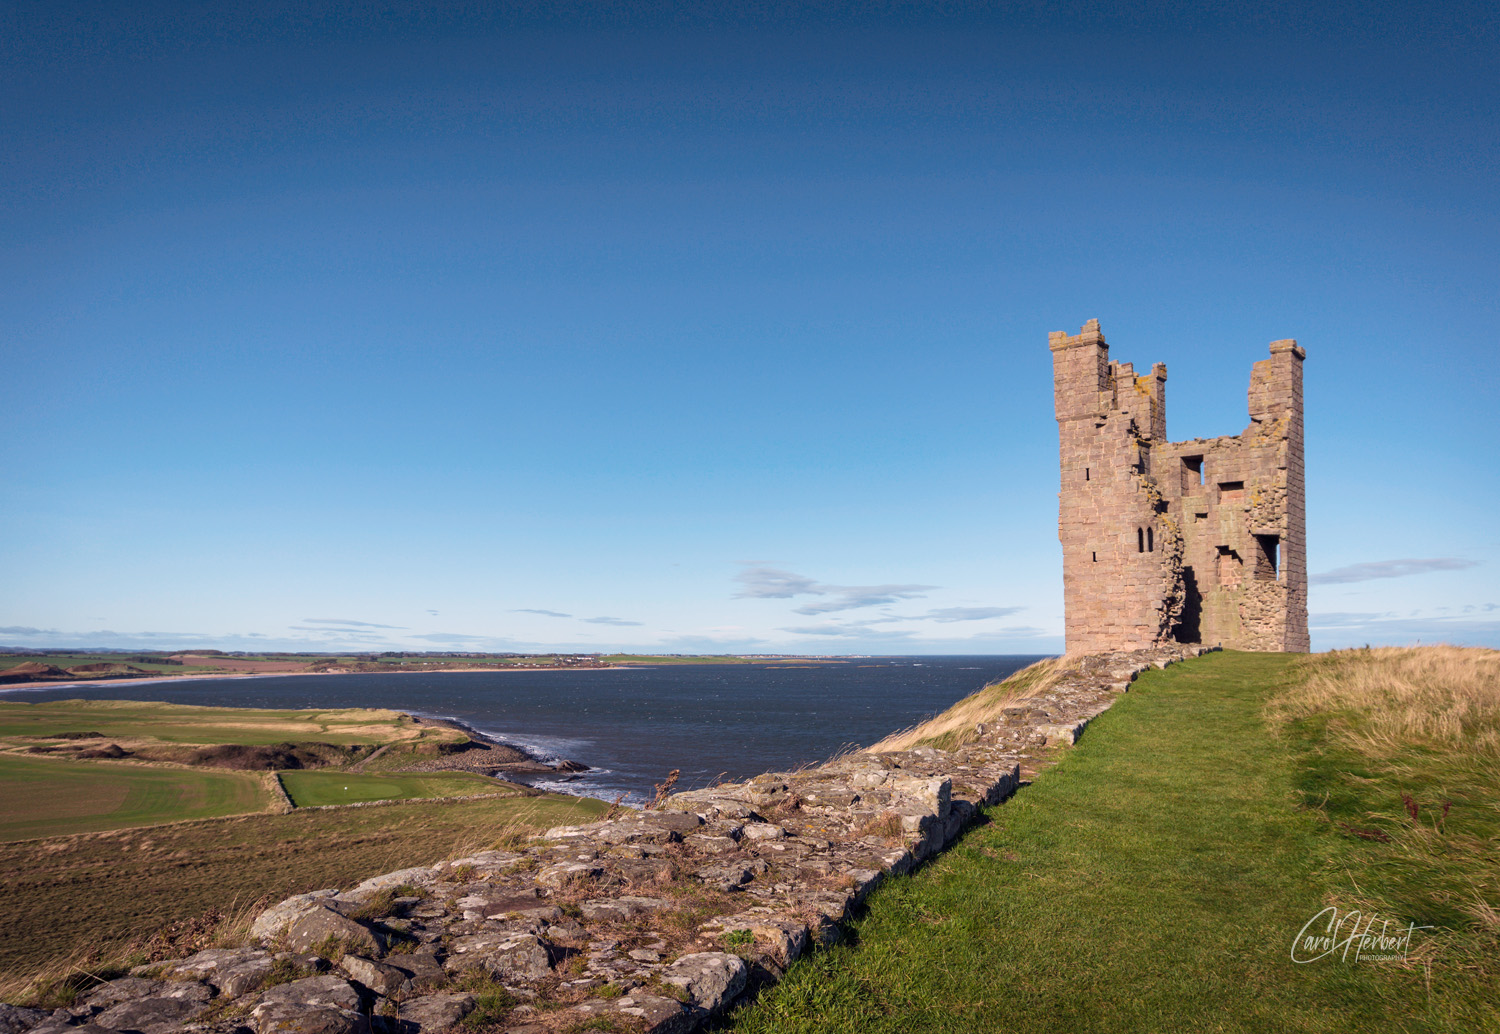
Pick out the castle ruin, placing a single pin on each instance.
(1201, 541)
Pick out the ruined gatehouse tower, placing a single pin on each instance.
(1201, 541)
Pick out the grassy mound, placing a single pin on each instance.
(955, 726)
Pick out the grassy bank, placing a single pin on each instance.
(88, 897)
(1156, 879)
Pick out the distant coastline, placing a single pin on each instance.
(43, 669)
(154, 678)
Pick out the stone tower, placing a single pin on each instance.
(1196, 542)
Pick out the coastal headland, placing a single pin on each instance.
(92, 765)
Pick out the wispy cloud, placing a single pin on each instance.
(771, 583)
(833, 629)
(348, 622)
(610, 621)
(948, 614)
(23, 630)
(544, 613)
(453, 637)
(1389, 569)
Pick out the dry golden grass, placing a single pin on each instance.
(955, 726)
(1400, 752)
(1381, 701)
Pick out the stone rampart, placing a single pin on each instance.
(657, 920)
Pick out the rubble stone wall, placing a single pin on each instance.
(653, 920)
(1202, 541)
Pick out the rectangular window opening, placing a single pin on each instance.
(1268, 558)
(1140, 541)
(1096, 557)
(1192, 473)
(1231, 491)
(1085, 473)
(1150, 541)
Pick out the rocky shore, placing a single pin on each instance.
(486, 755)
(655, 920)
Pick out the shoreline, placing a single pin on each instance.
(494, 758)
(489, 755)
(146, 680)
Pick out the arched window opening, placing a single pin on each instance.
(1150, 541)
(1140, 541)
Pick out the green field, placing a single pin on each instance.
(1156, 878)
(41, 797)
(70, 660)
(312, 789)
(69, 896)
(183, 723)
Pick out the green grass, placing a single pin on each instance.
(1153, 880)
(310, 789)
(183, 723)
(43, 798)
(66, 896)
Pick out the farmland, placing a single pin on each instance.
(88, 897)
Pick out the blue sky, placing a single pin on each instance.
(691, 329)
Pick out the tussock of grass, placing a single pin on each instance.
(955, 726)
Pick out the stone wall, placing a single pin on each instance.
(1202, 541)
(652, 921)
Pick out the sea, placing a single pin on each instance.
(631, 726)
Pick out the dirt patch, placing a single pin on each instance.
(112, 750)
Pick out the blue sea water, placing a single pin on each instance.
(630, 725)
